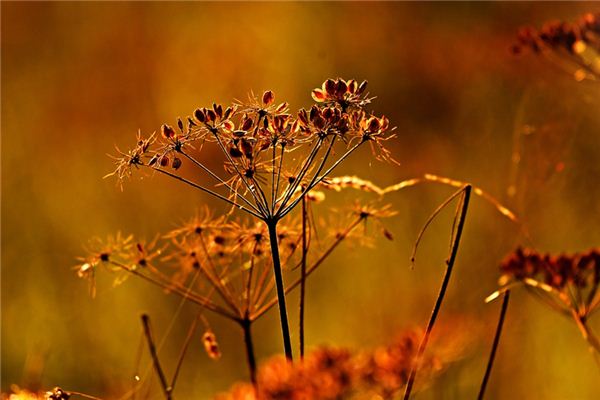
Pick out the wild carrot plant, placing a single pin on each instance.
(272, 158)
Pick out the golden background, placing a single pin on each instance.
(78, 78)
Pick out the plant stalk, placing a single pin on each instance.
(442, 292)
(285, 328)
(250, 357)
(495, 344)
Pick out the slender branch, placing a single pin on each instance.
(283, 209)
(201, 301)
(242, 177)
(285, 329)
(212, 193)
(221, 181)
(303, 278)
(490, 364)
(291, 188)
(184, 348)
(318, 180)
(154, 355)
(442, 292)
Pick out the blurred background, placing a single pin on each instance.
(80, 78)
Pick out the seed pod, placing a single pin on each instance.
(388, 235)
(318, 95)
(227, 112)
(281, 108)
(268, 98)
(167, 131)
(218, 110)
(341, 88)
(210, 345)
(180, 124)
(164, 161)
(190, 122)
(247, 147)
(176, 163)
(352, 86)
(235, 152)
(329, 86)
(247, 124)
(211, 115)
(239, 134)
(153, 160)
(361, 87)
(373, 124)
(199, 114)
(227, 125)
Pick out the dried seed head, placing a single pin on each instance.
(268, 98)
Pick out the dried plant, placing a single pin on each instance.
(340, 373)
(574, 47)
(272, 159)
(568, 283)
(224, 264)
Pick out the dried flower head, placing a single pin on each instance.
(574, 45)
(256, 139)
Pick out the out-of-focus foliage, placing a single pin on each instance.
(78, 78)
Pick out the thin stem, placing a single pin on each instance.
(205, 190)
(285, 329)
(154, 355)
(442, 292)
(303, 278)
(291, 188)
(318, 179)
(490, 364)
(184, 348)
(221, 181)
(201, 301)
(250, 357)
(283, 208)
(586, 332)
(312, 268)
(242, 177)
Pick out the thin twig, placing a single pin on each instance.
(303, 278)
(438, 303)
(154, 355)
(490, 364)
(184, 348)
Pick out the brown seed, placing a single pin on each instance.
(235, 152)
(199, 114)
(330, 87)
(167, 131)
(164, 161)
(268, 98)
(176, 163)
(362, 87)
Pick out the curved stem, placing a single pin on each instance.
(285, 329)
(490, 364)
(438, 303)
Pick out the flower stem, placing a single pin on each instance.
(303, 277)
(285, 329)
(250, 357)
(153, 353)
(438, 303)
(495, 344)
